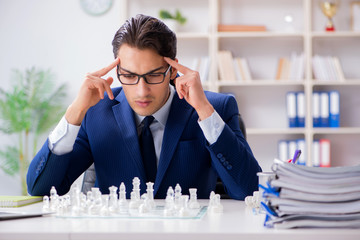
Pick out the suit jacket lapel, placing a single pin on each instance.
(125, 119)
(178, 117)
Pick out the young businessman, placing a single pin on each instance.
(196, 135)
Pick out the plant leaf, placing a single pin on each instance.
(9, 160)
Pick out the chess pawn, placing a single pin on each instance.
(75, 201)
(94, 209)
(184, 211)
(216, 207)
(211, 199)
(46, 204)
(89, 201)
(169, 202)
(134, 201)
(104, 210)
(193, 202)
(177, 197)
(54, 199)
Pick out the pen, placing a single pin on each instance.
(296, 156)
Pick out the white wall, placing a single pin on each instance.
(56, 35)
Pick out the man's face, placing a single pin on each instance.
(145, 99)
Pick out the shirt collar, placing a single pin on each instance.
(162, 114)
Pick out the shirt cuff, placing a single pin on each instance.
(62, 138)
(212, 127)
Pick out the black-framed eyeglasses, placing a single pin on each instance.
(152, 77)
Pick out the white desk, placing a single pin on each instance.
(237, 222)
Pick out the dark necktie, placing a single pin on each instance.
(148, 150)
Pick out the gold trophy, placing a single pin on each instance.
(329, 9)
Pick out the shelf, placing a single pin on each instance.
(341, 130)
(347, 82)
(258, 34)
(335, 34)
(262, 100)
(184, 35)
(269, 131)
(260, 83)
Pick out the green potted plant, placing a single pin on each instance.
(29, 109)
(172, 20)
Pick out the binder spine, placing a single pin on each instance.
(324, 109)
(301, 146)
(283, 150)
(300, 109)
(334, 113)
(316, 153)
(291, 109)
(324, 153)
(316, 109)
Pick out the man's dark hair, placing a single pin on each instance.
(145, 32)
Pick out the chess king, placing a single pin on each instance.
(158, 126)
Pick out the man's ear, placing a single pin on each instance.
(173, 74)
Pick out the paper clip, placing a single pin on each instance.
(271, 213)
(269, 189)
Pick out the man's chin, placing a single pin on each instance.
(144, 112)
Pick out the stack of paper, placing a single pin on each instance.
(302, 196)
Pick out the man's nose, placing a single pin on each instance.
(142, 87)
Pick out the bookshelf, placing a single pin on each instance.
(261, 101)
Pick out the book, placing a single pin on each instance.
(246, 69)
(338, 68)
(18, 201)
(240, 28)
(226, 66)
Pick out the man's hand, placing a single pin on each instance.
(189, 86)
(91, 92)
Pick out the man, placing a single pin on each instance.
(196, 134)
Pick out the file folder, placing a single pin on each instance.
(292, 146)
(302, 146)
(283, 150)
(334, 113)
(324, 109)
(316, 153)
(291, 109)
(300, 108)
(324, 153)
(316, 109)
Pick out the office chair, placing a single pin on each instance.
(90, 175)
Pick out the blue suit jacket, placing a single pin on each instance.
(108, 138)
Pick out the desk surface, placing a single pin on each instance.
(236, 222)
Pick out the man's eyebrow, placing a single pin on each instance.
(156, 69)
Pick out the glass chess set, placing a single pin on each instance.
(113, 205)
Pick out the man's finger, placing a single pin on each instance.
(107, 69)
(177, 65)
(109, 81)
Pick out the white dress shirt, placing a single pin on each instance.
(62, 138)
